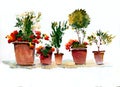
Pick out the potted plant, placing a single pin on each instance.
(45, 53)
(25, 38)
(79, 51)
(56, 35)
(100, 38)
(79, 20)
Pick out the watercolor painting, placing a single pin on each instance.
(58, 25)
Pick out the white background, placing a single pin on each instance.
(104, 14)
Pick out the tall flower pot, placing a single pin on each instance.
(98, 55)
(23, 53)
(58, 58)
(46, 60)
(79, 55)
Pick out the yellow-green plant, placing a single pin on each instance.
(79, 20)
(100, 38)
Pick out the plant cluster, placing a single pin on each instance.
(45, 50)
(100, 38)
(75, 44)
(79, 20)
(28, 24)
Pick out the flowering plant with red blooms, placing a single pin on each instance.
(75, 44)
(33, 38)
(28, 24)
(45, 50)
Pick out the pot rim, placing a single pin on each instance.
(22, 42)
(59, 53)
(78, 48)
(101, 51)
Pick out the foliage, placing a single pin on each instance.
(44, 50)
(79, 20)
(75, 44)
(57, 33)
(28, 24)
(100, 38)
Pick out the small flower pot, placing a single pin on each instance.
(98, 55)
(23, 53)
(79, 55)
(46, 60)
(58, 58)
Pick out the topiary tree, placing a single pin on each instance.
(79, 20)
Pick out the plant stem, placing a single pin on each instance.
(57, 50)
(78, 32)
(98, 48)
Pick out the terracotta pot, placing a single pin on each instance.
(23, 53)
(98, 55)
(46, 60)
(58, 58)
(79, 55)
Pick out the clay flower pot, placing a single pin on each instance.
(23, 53)
(58, 58)
(46, 60)
(79, 55)
(98, 55)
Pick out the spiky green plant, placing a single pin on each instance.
(57, 34)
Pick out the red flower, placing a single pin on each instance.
(38, 36)
(9, 41)
(19, 39)
(38, 33)
(67, 47)
(32, 36)
(52, 49)
(35, 41)
(15, 32)
(46, 37)
(85, 43)
(38, 49)
(12, 36)
(69, 44)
